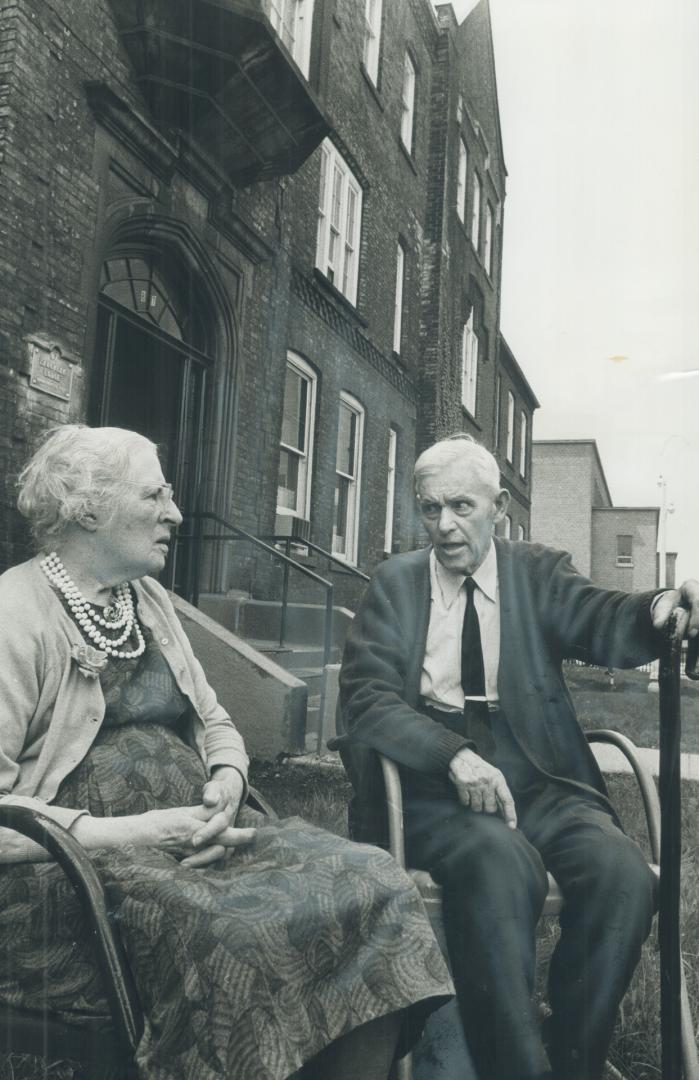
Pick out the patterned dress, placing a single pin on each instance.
(245, 969)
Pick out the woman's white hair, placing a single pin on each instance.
(75, 471)
(460, 448)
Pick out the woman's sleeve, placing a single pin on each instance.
(22, 662)
(223, 744)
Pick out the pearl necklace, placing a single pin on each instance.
(89, 620)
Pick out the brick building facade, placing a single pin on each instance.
(270, 237)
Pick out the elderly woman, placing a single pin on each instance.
(258, 947)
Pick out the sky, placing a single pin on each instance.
(599, 108)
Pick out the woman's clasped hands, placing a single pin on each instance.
(198, 835)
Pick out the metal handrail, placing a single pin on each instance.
(199, 537)
(344, 566)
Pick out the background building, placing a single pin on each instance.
(572, 509)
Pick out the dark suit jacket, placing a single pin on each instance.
(548, 612)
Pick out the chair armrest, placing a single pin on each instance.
(73, 859)
(649, 794)
(258, 802)
(394, 809)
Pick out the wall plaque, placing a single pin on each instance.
(51, 369)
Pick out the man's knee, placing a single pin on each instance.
(489, 859)
(617, 874)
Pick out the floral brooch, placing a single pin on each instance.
(90, 661)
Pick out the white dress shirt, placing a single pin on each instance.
(440, 682)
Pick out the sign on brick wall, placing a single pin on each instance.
(50, 368)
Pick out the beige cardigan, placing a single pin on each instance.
(50, 712)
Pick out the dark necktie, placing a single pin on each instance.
(472, 670)
(477, 726)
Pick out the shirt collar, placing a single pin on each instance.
(448, 585)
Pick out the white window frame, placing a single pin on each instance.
(507, 522)
(521, 532)
(407, 122)
(303, 497)
(488, 240)
(293, 22)
(498, 397)
(372, 38)
(390, 490)
(461, 176)
(476, 211)
(624, 560)
(398, 301)
(469, 366)
(510, 444)
(339, 222)
(523, 426)
(353, 501)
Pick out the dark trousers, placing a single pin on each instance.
(494, 885)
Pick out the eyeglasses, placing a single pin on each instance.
(163, 493)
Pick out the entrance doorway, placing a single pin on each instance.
(152, 359)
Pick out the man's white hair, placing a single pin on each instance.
(461, 448)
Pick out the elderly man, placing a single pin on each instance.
(453, 669)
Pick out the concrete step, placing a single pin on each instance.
(294, 657)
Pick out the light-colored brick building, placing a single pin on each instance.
(572, 509)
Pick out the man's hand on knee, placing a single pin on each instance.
(481, 786)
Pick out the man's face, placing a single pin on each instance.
(459, 511)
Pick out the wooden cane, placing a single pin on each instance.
(671, 845)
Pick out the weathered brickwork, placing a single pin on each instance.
(87, 175)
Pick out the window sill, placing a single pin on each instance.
(338, 297)
(470, 417)
(624, 565)
(372, 87)
(407, 155)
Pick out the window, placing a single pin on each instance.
(510, 448)
(523, 444)
(476, 212)
(461, 181)
(390, 490)
(296, 442)
(507, 522)
(398, 303)
(372, 38)
(498, 394)
(469, 366)
(293, 21)
(348, 467)
(624, 550)
(521, 535)
(488, 240)
(339, 222)
(408, 102)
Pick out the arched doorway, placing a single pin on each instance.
(153, 356)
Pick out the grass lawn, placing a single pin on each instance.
(320, 794)
(627, 706)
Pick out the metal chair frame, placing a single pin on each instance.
(104, 1045)
(432, 894)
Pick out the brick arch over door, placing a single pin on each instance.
(161, 295)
